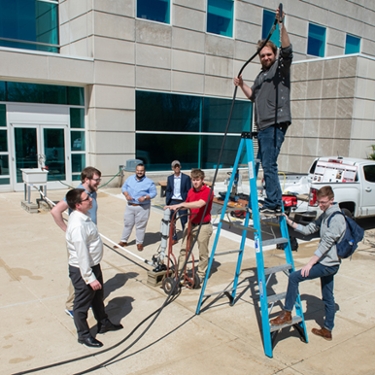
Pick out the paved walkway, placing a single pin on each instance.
(221, 340)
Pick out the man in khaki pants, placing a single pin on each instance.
(198, 197)
(90, 180)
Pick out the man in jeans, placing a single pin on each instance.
(271, 96)
(324, 264)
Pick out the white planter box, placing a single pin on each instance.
(34, 176)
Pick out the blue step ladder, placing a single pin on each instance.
(264, 274)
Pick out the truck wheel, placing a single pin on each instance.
(347, 212)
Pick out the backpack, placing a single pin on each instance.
(353, 234)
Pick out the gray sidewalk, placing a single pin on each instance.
(223, 339)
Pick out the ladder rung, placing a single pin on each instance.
(228, 252)
(296, 319)
(275, 241)
(282, 267)
(276, 297)
(238, 226)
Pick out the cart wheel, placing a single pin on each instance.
(169, 284)
(197, 282)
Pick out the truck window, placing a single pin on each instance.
(369, 173)
(312, 169)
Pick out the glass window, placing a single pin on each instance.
(369, 172)
(316, 40)
(77, 140)
(46, 94)
(352, 44)
(77, 118)
(154, 10)
(78, 163)
(187, 128)
(29, 24)
(220, 17)
(268, 21)
(3, 141)
(3, 115)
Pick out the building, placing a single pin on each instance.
(100, 82)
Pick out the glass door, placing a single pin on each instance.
(37, 146)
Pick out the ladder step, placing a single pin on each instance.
(295, 320)
(275, 241)
(281, 268)
(228, 252)
(238, 226)
(276, 297)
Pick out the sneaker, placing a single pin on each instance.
(270, 211)
(70, 313)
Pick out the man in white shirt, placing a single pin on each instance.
(85, 249)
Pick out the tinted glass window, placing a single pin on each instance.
(316, 40)
(29, 24)
(369, 172)
(220, 17)
(154, 10)
(268, 21)
(352, 44)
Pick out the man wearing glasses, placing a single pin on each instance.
(90, 180)
(324, 264)
(85, 249)
(178, 185)
(138, 191)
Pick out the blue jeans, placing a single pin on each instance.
(270, 141)
(326, 279)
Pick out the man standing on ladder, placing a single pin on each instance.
(271, 96)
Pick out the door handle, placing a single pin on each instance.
(368, 189)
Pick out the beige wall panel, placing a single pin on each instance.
(217, 86)
(243, 51)
(344, 108)
(348, 67)
(79, 8)
(112, 97)
(363, 109)
(114, 73)
(111, 119)
(315, 70)
(328, 109)
(63, 11)
(314, 89)
(312, 109)
(336, 38)
(114, 50)
(360, 129)
(370, 89)
(368, 48)
(153, 33)
(325, 147)
(299, 90)
(341, 147)
(327, 128)
(299, 71)
(72, 71)
(189, 18)
(80, 27)
(113, 26)
(363, 65)
(343, 129)
(109, 166)
(346, 87)
(187, 61)
(247, 32)
(334, 51)
(218, 66)
(296, 130)
(194, 4)
(310, 146)
(80, 48)
(121, 8)
(331, 68)
(188, 40)
(311, 128)
(219, 46)
(112, 142)
(153, 56)
(185, 82)
(153, 79)
(247, 12)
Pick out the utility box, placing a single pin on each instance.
(131, 164)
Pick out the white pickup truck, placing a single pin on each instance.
(352, 181)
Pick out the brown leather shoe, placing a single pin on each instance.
(139, 246)
(122, 244)
(323, 332)
(285, 317)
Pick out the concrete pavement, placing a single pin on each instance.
(223, 339)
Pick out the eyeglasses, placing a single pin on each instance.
(96, 179)
(177, 166)
(86, 199)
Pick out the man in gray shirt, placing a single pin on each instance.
(324, 264)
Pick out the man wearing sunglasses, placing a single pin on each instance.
(85, 249)
(90, 180)
(324, 264)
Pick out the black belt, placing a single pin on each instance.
(194, 225)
